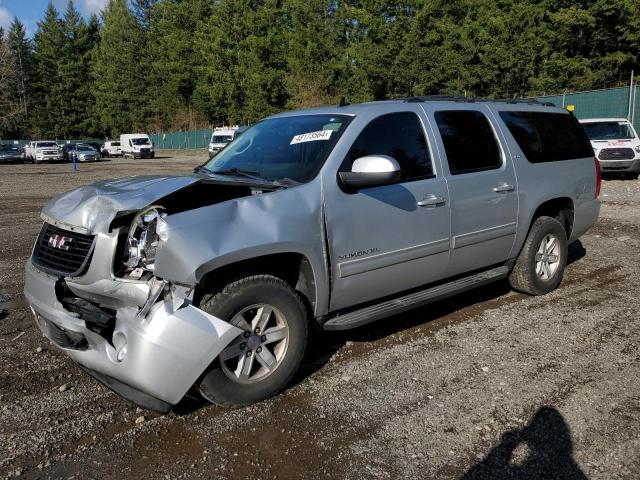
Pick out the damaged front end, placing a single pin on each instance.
(94, 293)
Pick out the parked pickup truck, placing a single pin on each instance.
(326, 218)
(616, 144)
(43, 151)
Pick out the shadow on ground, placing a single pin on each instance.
(541, 450)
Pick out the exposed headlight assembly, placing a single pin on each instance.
(142, 241)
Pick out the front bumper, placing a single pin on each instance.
(623, 166)
(165, 351)
(49, 158)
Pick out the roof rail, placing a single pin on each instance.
(438, 98)
(460, 98)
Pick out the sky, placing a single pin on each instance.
(30, 11)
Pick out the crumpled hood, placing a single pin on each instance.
(92, 208)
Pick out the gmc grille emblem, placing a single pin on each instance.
(60, 242)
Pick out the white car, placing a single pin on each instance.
(616, 145)
(221, 137)
(110, 149)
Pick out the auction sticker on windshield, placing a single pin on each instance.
(311, 137)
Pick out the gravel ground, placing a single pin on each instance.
(490, 385)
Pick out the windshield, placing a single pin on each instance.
(84, 148)
(8, 148)
(46, 145)
(286, 147)
(221, 139)
(608, 131)
(140, 141)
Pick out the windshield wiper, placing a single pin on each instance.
(238, 173)
(286, 182)
(200, 168)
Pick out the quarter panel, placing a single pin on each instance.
(541, 182)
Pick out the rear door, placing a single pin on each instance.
(390, 238)
(482, 187)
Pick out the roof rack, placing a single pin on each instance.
(461, 98)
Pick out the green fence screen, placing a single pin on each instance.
(182, 140)
(612, 102)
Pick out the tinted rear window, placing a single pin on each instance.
(548, 137)
(469, 141)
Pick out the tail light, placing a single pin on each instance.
(598, 176)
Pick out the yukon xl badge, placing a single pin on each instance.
(360, 253)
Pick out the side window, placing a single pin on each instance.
(548, 137)
(469, 141)
(398, 135)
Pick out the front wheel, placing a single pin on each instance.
(540, 266)
(262, 360)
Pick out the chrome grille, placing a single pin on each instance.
(62, 252)
(616, 154)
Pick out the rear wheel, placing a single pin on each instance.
(263, 359)
(540, 266)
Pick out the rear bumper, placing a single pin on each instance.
(151, 360)
(623, 166)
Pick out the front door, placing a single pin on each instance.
(390, 238)
(482, 186)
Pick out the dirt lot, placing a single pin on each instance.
(491, 385)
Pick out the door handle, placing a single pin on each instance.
(503, 187)
(431, 200)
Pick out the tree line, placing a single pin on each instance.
(162, 65)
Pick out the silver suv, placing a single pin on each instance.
(332, 217)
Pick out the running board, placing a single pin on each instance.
(397, 305)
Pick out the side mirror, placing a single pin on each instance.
(371, 171)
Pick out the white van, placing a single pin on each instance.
(110, 148)
(221, 137)
(136, 145)
(616, 144)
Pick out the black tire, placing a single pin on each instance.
(105, 154)
(217, 386)
(524, 277)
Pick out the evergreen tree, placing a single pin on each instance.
(141, 10)
(119, 72)
(316, 57)
(9, 107)
(171, 49)
(48, 100)
(244, 61)
(22, 52)
(75, 75)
